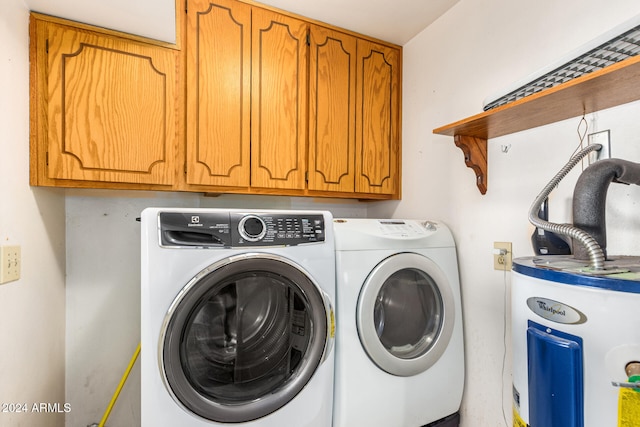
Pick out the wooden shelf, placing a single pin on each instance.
(611, 86)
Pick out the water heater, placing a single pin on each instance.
(576, 343)
(576, 317)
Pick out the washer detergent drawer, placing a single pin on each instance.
(555, 378)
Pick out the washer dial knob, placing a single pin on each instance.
(252, 228)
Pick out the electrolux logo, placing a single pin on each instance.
(195, 221)
(555, 311)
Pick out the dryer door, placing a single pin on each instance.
(244, 337)
(405, 314)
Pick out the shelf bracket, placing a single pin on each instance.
(475, 157)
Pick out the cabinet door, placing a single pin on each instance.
(110, 106)
(218, 92)
(279, 101)
(377, 119)
(332, 90)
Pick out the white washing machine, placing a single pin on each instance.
(237, 318)
(399, 344)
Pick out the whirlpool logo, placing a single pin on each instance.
(556, 311)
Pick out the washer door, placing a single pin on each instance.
(244, 337)
(405, 314)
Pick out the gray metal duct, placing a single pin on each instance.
(596, 255)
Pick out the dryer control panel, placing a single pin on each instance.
(239, 229)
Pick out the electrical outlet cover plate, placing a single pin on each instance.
(9, 263)
(502, 255)
(602, 138)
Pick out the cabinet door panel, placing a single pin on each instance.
(279, 99)
(218, 92)
(332, 90)
(377, 119)
(111, 111)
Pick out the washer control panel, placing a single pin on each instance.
(238, 229)
(277, 229)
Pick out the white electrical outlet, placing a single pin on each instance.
(602, 138)
(9, 263)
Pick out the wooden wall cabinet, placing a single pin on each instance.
(103, 109)
(377, 119)
(218, 72)
(257, 102)
(354, 137)
(246, 96)
(332, 110)
(275, 102)
(279, 70)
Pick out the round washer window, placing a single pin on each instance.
(405, 314)
(243, 338)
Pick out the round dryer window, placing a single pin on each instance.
(405, 314)
(243, 338)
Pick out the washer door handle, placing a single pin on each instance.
(192, 238)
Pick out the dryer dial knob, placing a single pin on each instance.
(252, 228)
(430, 225)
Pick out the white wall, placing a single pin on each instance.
(103, 290)
(32, 308)
(474, 50)
(154, 19)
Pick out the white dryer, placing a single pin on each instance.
(399, 344)
(237, 318)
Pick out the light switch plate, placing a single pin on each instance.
(9, 263)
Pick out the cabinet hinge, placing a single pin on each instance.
(306, 176)
(46, 46)
(46, 158)
(308, 39)
(186, 6)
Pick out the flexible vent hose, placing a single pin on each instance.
(595, 252)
